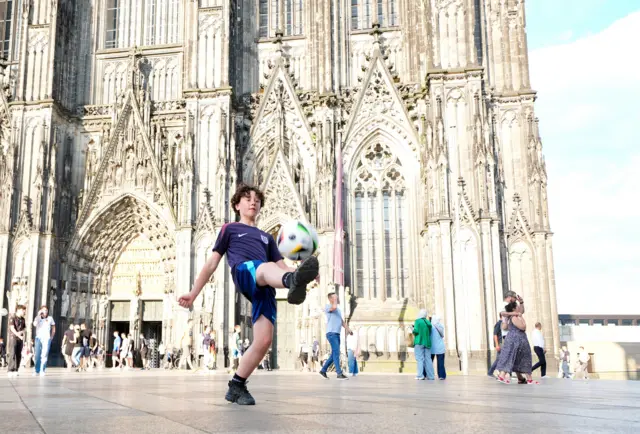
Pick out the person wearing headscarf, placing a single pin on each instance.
(437, 345)
(422, 346)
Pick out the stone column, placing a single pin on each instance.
(488, 276)
(448, 284)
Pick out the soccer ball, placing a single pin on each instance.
(297, 240)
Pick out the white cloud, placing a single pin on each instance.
(590, 124)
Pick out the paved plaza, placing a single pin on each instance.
(177, 402)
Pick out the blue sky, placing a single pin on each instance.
(551, 22)
(585, 67)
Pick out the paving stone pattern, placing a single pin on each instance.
(176, 402)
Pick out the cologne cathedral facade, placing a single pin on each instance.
(126, 125)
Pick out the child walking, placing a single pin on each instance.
(257, 269)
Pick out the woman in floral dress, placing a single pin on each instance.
(515, 355)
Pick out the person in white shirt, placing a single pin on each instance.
(304, 356)
(582, 365)
(45, 329)
(352, 353)
(538, 347)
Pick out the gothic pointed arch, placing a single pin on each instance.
(282, 200)
(23, 227)
(379, 106)
(128, 156)
(99, 243)
(205, 225)
(467, 213)
(279, 120)
(518, 229)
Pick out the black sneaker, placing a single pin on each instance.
(239, 394)
(342, 377)
(306, 272)
(324, 374)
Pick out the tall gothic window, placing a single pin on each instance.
(285, 15)
(366, 12)
(6, 20)
(380, 245)
(113, 9)
(263, 12)
(141, 22)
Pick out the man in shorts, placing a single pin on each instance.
(145, 352)
(257, 268)
(236, 344)
(115, 353)
(85, 338)
(315, 351)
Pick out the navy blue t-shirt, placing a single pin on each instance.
(244, 243)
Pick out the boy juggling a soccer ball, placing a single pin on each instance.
(257, 269)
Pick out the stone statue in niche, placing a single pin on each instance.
(119, 175)
(65, 303)
(12, 296)
(149, 182)
(82, 305)
(74, 304)
(140, 175)
(110, 177)
(94, 307)
(104, 305)
(67, 166)
(52, 301)
(208, 296)
(130, 165)
(167, 305)
(23, 294)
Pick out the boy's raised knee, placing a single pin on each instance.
(263, 342)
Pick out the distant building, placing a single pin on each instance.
(613, 341)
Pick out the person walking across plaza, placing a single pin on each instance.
(85, 354)
(186, 344)
(335, 322)
(205, 343)
(565, 358)
(3, 353)
(498, 337)
(582, 365)
(16, 338)
(257, 268)
(315, 352)
(124, 351)
(145, 352)
(45, 329)
(115, 353)
(67, 346)
(77, 347)
(422, 346)
(538, 348)
(437, 346)
(236, 346)
(516, 352)
(352, 354)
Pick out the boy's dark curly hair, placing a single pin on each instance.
(244, 190)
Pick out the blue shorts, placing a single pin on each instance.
(262, 298)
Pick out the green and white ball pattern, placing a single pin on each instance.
(297, 240)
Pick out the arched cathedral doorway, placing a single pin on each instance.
(126, 254)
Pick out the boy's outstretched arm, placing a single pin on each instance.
(205, 274)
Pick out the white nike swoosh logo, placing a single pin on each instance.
(241, 235)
